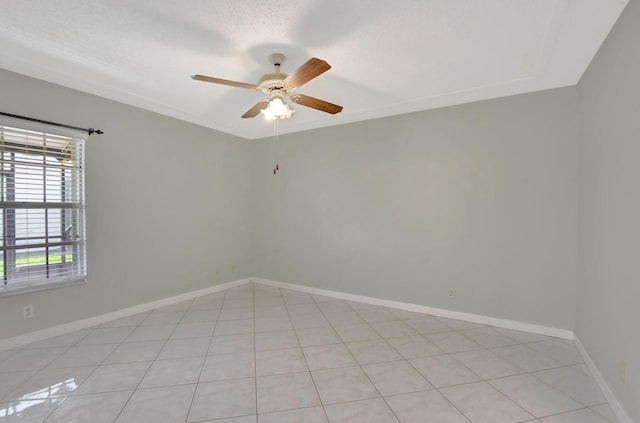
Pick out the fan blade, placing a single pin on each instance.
(305, 73)
(255, 110)
(316, 103)
(224, 82)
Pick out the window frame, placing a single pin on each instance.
(48, 274)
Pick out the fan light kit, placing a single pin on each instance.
(278, 86)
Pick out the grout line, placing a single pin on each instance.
(255, 349)
(304, 357)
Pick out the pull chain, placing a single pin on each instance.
(276, 168)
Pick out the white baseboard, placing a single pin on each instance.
(615, 405)
(476, 318)
(27, 338)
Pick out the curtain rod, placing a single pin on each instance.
(61, 125)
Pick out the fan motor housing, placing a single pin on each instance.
(273, 81)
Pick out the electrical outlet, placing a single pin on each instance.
(452, 293)
(27, 312)
(623, 371)
(233, 268)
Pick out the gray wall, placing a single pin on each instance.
(479, 198)
(608, 306)
(167, 206)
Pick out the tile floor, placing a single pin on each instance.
(256, 354)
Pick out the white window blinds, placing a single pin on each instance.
(41, 209)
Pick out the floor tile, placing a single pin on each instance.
(95, 408)
(266, 302)
(234, 327)
(426, 406)
(442, 370)
(355, 333)
(370, 411)
(31, 359)
(377, 315)
(200, 316)
(66, 340)
(225, 344)
(482, 403)
(309, 321)
(150, 333)
(427, 325)
(576, 384)
(11, 381)
(286, 392)
(487, 364)
(452, 342)
(368, 352)
(273, 324)
(345, 318)
(280, 361)
(276, 340)
(606, 411)
(217, 400)
(29, 410)
(319, 299)
(236, 313)
(278, 312)
(328, 356)
(179, 371)
(560, 350)
(536, 397)
(303, 310)
(335, 307)
(522, 337)
(197, 361)
(49, 383)
(489, 337)
(243, 419)
(114, 377)
(184, 348)
(241, 303)
(393, 329)
(159, 317)
(397, 377)
(106, 336)
(5, 354)
(414, 346)
(228, 366)
(580, 416)
(298, 299)
(193, 330)
(317, 336)
(167, 404)
(302, 415)
(83, 355)
(341, 385)
(526, 358)
(135, 351)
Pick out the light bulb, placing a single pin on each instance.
(277, 109)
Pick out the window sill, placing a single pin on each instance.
(6, 291)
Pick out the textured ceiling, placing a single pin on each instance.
(388, 57)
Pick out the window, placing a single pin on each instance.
(41, 210)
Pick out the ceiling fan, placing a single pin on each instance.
(278, 86)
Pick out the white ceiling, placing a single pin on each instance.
(387, 57)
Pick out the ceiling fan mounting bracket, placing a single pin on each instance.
(277, 59)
